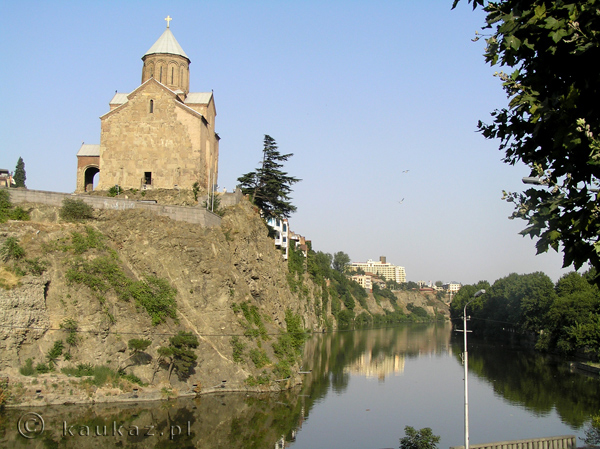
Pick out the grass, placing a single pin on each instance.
(104, 274)
(8, 279)
(100, 375)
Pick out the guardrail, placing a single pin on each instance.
(560, 442)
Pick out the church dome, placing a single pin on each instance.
(167, 63)
(167, 44)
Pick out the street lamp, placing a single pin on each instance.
(466, 363)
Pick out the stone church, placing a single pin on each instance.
(161, 135)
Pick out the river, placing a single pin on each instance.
(363, 388)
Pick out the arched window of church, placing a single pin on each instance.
(151, 106)
(160, 80)
(181, 77)
(172, 73)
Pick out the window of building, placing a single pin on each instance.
(148, 178)
(151, 106)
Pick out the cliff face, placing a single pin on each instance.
(232, 295)
(213, 270)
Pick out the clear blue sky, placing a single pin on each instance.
(359, 91)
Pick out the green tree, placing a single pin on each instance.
(572, 320)
(552, 121)
(20, 176)
(519, 301)
(419, 439)
(269, 186)
(463, 296)
(319, 264)
(180, 353)
(340, 260)
(136, 347)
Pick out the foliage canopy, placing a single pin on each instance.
(562, 317)
(180, 353)
(419, 439)
(552, 120)
(20, 176)
(269, 186)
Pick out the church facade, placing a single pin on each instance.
(161, 135)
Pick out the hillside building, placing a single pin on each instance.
(364, 280)
(160, 135)
(382, 268)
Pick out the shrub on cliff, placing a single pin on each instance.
(11, 250)
(8, 212)
(75, 210)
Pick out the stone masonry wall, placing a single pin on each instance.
(197, 215)
(168, 140)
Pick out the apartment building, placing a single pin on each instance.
(364, 280)
(381, 268)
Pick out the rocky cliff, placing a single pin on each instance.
(96, 286)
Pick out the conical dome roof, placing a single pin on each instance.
(167, 43)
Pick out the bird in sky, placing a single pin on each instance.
(405, 171)
(401, 201)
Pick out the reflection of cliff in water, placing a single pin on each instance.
(216, 421)
(233, 420)
(534, 381)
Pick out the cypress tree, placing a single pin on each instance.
(20, 176)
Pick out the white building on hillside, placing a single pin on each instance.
(452, 287)
(364, 280)
(382, 268)
(282, 229)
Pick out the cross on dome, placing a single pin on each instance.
(168, 19)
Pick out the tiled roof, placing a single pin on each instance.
(119, 98)
(198, 98)
(88, 149)
(167, 43)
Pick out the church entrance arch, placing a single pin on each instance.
(88, 176)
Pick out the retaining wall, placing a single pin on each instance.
(560, 442)
(196, 215)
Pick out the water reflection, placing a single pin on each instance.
(406, 361)
(216, 421)
(374, 352)
(533, 381)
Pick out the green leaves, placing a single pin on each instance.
(419, 439)
(180, 350)
(269, 186)
(551, 122)
(20, 176)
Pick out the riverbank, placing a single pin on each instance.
(59, 389)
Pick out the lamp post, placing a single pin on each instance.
(466, 363)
